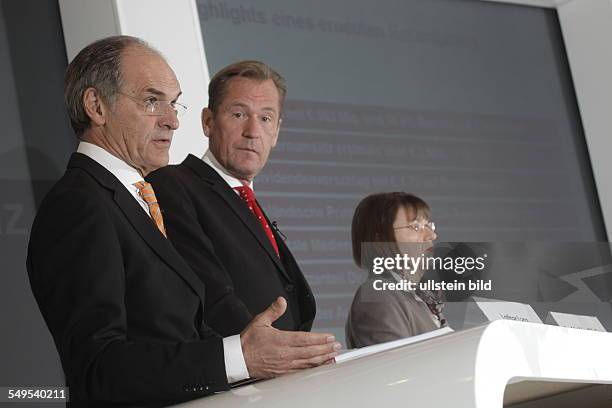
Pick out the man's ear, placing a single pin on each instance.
(207, 121)
(94, 107)
(275, 140)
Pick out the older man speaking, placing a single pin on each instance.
(125, 310)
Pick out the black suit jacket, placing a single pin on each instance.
(202, 211)
(124, 309)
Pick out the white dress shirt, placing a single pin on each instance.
(127, 175)
(233, 182)
(235, 366)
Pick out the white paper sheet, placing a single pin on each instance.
(377, 348)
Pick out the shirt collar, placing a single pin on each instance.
(125, 174)
(211, 160)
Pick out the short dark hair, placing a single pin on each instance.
(247, 69)
(374, 217)
(99, 66)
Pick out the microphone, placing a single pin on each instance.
(275, 228)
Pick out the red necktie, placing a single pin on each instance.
(247, 194)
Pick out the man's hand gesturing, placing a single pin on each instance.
(269, 352)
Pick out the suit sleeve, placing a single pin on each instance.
(224, 310)
(374, 322)
(76, 270)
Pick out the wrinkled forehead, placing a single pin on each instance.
(142, 68)
(262, 93)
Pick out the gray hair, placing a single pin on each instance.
(96, 66)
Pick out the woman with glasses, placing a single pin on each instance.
(391, 225)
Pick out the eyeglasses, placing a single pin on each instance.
(416, 226)
(159, 108)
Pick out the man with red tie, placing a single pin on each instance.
(209, 202)
(127, 313)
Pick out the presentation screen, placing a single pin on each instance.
(467, 104)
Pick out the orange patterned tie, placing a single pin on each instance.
(148, 195)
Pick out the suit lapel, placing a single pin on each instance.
(142, 223)
(221, 188)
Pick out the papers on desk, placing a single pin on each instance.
(377, 348)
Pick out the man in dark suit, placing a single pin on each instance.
(210, 203)
(125, 310)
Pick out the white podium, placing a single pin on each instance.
(503, 363)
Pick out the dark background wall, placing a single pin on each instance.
(36, 143)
